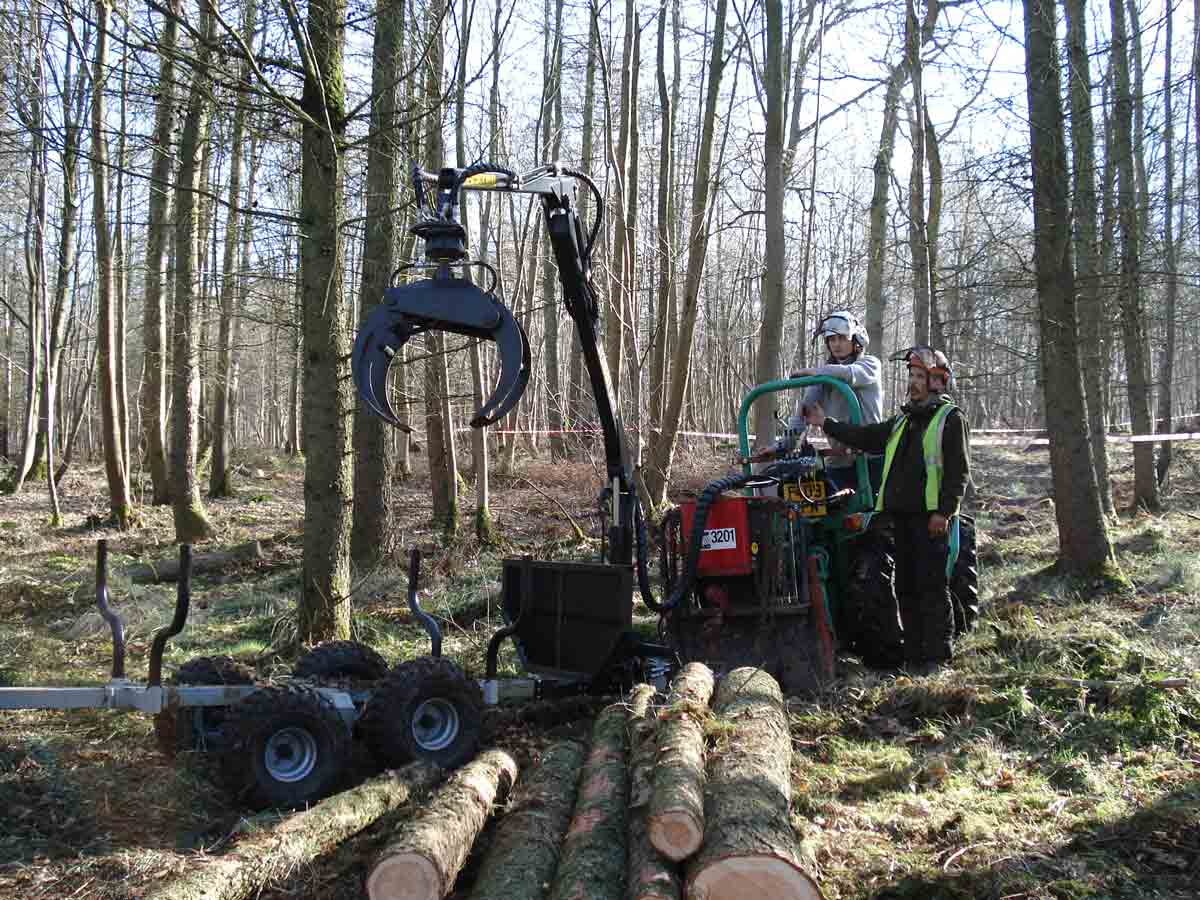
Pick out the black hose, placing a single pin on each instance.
(575, 173)
(643, 574)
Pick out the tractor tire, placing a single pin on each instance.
(188, 729)
(426, 709)
(341, 659)
(286, 747)
(870, 616)
(964, 579)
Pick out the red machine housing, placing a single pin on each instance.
(728, 547)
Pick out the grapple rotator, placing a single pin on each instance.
(442, 302)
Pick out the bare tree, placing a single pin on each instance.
(1084, 547)
(114, 454)
(1166, 394)
(1145, 483)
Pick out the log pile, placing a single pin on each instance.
(669, 801)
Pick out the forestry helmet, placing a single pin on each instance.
(844, 323)
(934, 362)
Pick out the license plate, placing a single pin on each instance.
(812, 500)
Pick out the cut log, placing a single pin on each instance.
(297, 840)
(423, 860)
(749, 845)
(520, 863)
(675, 820)
(592, 864)
(202, 564)
(651, 876)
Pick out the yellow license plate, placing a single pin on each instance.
(810, 495)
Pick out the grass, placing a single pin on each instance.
(1045, 763)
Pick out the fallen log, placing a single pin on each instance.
(298, 839)
(202, 564)
(749, 845)
(592, 863)
(675, 820)
(429, 850)
(651, 876)
(520, 861)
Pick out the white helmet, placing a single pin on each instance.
(845, 323)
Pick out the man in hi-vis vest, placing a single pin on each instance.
(926, 468)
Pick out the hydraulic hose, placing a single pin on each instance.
(688, 578)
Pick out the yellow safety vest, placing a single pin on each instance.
(931, 444)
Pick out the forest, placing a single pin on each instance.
(201, 203)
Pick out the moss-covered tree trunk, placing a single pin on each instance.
(299, 839)
(324, 611)
(524, 850)
(650, 875)
(592, 866)
(430, 848)
(748, 837)
(675, 819)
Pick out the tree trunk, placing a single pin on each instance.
(579, 389)
(372, 534)
(877, 239)
(1088, 265)
(219, 481)
(592, 866)
(662, 445)
(1083, 541)
(191, 521)
(770, 335)
(918, 239)
(748, 837)
(614, 324)
(524, 851)
(114, 454)
(933, 227)
(430, 849)
(650, 876)
(298, 840)
(1166, 369)
(664, 302)
(551, 141)
(676, 814)
(1133, 324)
(324, 609)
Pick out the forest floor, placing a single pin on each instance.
(1044, 763)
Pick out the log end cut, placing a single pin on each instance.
(738, 877)
(675, 833)
(405, 876)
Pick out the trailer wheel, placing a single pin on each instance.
(964, 579)
(426, 709)
(287, 746)
(871, 616)
(191, 728)
(341, 659)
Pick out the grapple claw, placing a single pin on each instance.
(441, 303)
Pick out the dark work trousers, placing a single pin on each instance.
(922, 591)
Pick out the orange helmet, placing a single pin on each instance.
(934, 362)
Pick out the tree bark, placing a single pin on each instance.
(1088, 264)
(324, 609)
(1166, 394)
(430, 849)
(191, 521)
(770, 335)
(372, 533)
(1084, 547)
(219, 482)
(114, 455)
(592, 865)
(664, 303)
(202, 564)
(298, 840)
(748, 835)
(524, 851)
(918, 238)
(876, 303)
(650, 875)
(676, 814)
(1133, 324)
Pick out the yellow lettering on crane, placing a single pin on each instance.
(483, 180)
